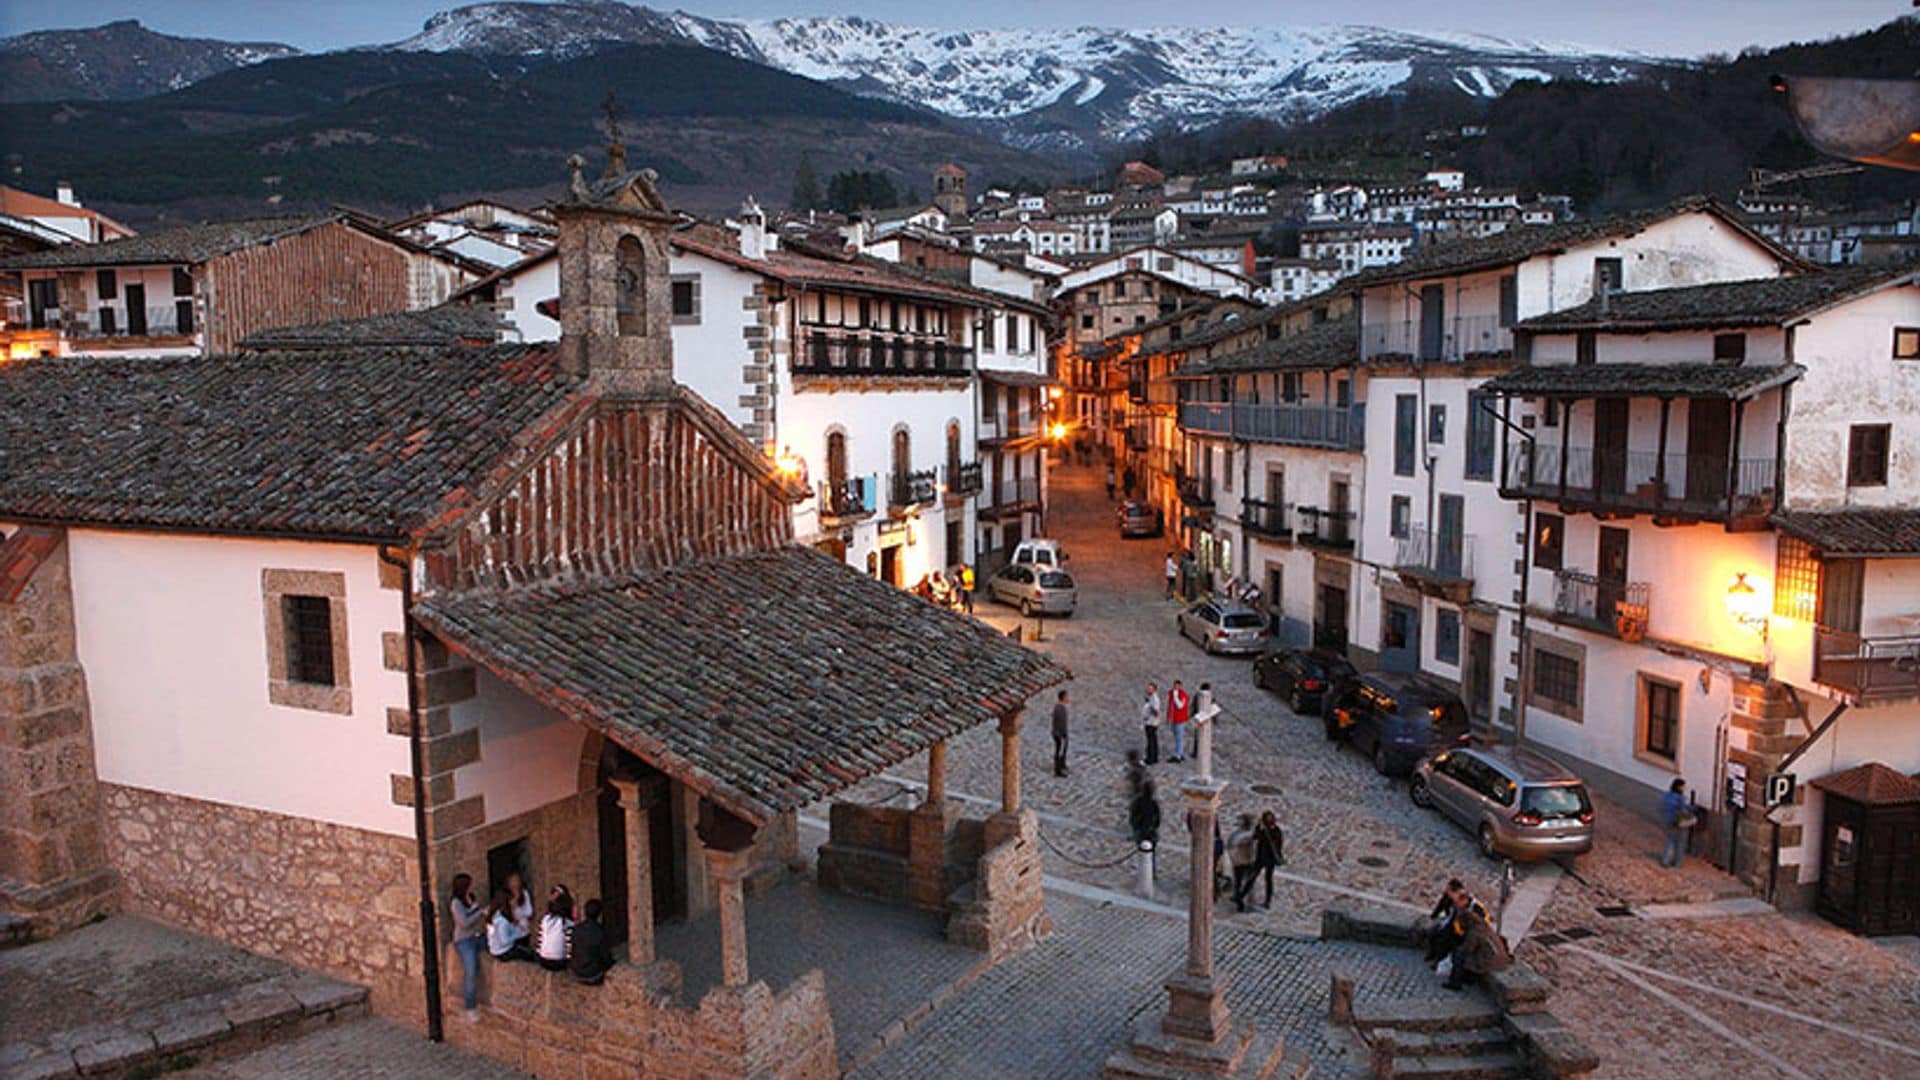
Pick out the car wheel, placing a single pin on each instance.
(1380, 764)
(1421, 795)
(1293, 702)
(1487, 845)
(1026, 608)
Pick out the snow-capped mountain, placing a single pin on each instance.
(117, 60)
(1060, 89)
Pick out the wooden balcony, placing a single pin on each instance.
(1870, 670)
(888, 357)
(1437, 563)
(1735, 491)
(1616, 608)
(1331, 530)
(847, 501)
(1269, 519)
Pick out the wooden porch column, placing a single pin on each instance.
(1010, 763)
(636, 801)
(1733, 458)
(1660, 458)
(937, 773)
(1566, 432)
(727, 869)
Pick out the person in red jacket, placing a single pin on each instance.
(1179, 705)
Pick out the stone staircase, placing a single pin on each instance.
(1465, 1040)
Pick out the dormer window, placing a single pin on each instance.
(1729, 348)
(1608, 277)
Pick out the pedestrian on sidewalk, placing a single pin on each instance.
(1060, 735)
(1676, 816)
(469, 939)
(1240, 855)
(1110, 481)
(1179, 706)
(1173, 573)
(1136, 775)
(1150, 722)
(966, 587)
(1143, 816)
(1481, 953)
(1269, 852)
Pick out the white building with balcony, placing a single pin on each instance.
(1729, 501)
(1433, 329)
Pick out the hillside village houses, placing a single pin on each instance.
(426, 611)
(913, 402)
(482, 230)
(197, 289)
(1653, 444)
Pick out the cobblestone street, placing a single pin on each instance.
(1752, 994)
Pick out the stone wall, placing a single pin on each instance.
(336, 899)
(1762, 713)
(1005, 906)
(550, 1026)
(53, 861)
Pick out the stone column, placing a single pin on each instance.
(1010, 762)
(727, 869)
(927, 829)
(636, 801)
(1196, 1005)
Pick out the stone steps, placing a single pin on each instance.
(1453, 1015)
(221, 1024)
(1495, 1065)
(1451, 1042)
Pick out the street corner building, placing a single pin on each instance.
(289, 639)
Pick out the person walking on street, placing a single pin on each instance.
(966, 587)
(1676, 816)
(1179, 706)
(1110, 481)
(1060, 735)
(1150, 722)
(1173, 573)
(1269, 853)
(1143, 816)
(1240, 854)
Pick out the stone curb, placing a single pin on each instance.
(239, 1020)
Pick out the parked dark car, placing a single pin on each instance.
(1304, 677)
(1397, 720)
(1140, 519)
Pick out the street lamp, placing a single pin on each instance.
(1745, 606)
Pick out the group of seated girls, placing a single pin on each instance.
(569, 937)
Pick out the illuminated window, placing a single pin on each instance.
(1796, 577)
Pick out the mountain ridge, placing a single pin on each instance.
(118, 60)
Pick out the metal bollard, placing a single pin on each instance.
(1145, 884)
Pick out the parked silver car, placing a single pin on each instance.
(1224, 626)
(1034, 588)
(1140, 519)
(1515, 803)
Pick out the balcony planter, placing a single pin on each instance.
(1629, 628)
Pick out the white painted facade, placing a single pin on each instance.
(1164, 264)
(101, 322)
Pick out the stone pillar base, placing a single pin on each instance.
(1197, 1008)
(56, 908)
(927, 832)
(1243, 1054)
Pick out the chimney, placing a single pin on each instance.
(754, 241)
(63, 193)
(616, 311)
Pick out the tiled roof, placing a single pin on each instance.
(1872, 784)
(448, 324)
(798, 264)
(1331, 344)
(1521, 242)
(356, 442)
(1858, 533)
(185, 245)
(1764, 302)
(1642, 380)
(766, 681)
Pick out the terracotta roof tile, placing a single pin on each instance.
(185, 245)
(1858, 533)
(365, 442)
(1873, 784)
(1763, 302)
(767, 680)
(451, 323)
(1642, 380)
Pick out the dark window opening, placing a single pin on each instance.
(1662, 720)
(1556, 678)
(1729, 348)
(1586, 347)
(309, 639)
(1549, 540)
(1867, 455)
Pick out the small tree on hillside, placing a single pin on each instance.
(806, 185)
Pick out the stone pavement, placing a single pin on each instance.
(881, 961)
(364, 1050)
(1059, 1009)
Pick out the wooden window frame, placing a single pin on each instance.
(1558, 650)
(1877, 476)
(1643, 719)
(1910, 336)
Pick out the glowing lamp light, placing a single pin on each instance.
(789, 464)
(1745, 605)
(1059, 432)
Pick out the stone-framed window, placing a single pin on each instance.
(306, 630)
(686, 299)
(1558, 670)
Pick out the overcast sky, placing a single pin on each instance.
(1666, 27)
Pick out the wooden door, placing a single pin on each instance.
(1709, 434)
(1611, 569)
(1889, 874)
(1610, 445)
(1480, 674)
(136, 309)
(1433, 322)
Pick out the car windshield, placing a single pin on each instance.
(1057, 579)
(1561, 800)
(1242, 620)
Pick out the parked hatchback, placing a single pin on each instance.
(1515, 803)
(1396, 720)
(1140, 519)
(1306, 678)
(1033, 588)
(1224, 626)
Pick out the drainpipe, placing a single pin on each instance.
(416, 754)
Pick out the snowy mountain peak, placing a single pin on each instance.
(1065, 88)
